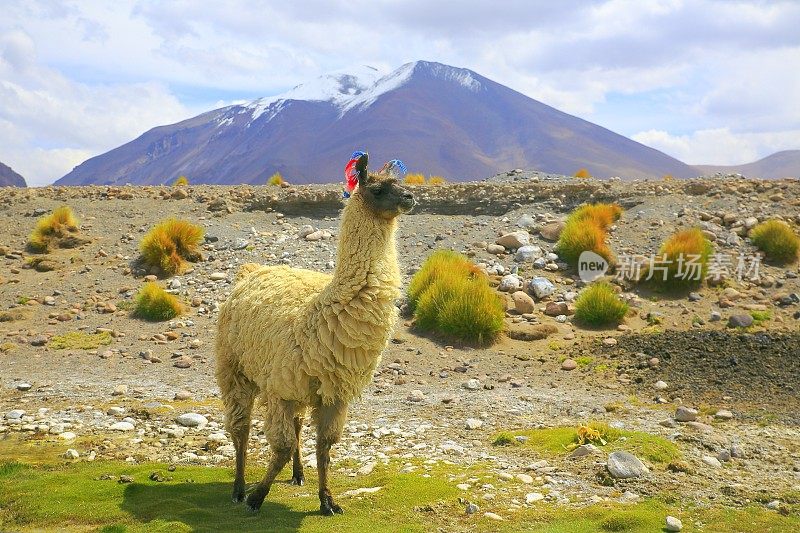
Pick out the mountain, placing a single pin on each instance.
(436, 118)
(9, 178)
(783, 164)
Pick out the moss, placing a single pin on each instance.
(79, 340)
(759, 317)
(584, 361)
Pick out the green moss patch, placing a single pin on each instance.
(78, 340)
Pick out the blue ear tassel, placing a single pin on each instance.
(397, 167)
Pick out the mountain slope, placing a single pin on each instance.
(9, 178)
(438, 119)
(783, 164)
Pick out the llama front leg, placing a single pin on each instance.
(330, 421)
(297, 461)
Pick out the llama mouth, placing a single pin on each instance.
(407, 205)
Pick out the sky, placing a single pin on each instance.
(711, 82)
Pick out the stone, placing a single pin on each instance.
(15, 414)
(685, 414)
(723, 414)
(217, 276)
(583, 450)
(120, 390)
(569, 364)
(526, 221)
(23, 387)
(551, 231)
(472, 384)
(71, 453)
(493, 516)
(723, 456)
(472, 508)
(711, 461)
(240, 244)
(673, 524)
(740, 321)
(473, 423)
(510, 283)
(527, 253)
(192, 420)
(415, 396)
(184, 361)
(533, 497)
(523, 303)
(495, 249)
(525, 478)
(541, 287)
(514, 240)
(624, 465)
(67, 435)
(660, 385)
(121, 426)
(556, 309)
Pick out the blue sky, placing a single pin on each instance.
(705, 81)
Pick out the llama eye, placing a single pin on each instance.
(377, 191)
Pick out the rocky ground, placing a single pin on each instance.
(728, 396)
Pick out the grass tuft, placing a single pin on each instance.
(57, 230)
(414, 179)
(504, 439)
(451, 296)
(436, 180)
(276, 179)
(777, 240)
(155, 304)
(79, 340)
(599, 305)
(181, 181)
(583, 173)
(585, 229)
(170, 244)
(682, 261)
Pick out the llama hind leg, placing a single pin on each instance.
(297, 461)
(330, 421)
(238, 394)
(280, 432)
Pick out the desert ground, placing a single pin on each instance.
(96, 435)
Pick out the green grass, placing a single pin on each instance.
(598, 305)
(79, 340)
(777, 240)
(558, 441)
(155, 304)
(759, 317)
(504, 439)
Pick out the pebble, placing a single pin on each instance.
(183, 395)
(541, 287)
(569, 364)
(71, 454)
(624, 465)
(218, 276)
(723, 414)
(192, 420)
(711, 461)
(525, 478)
(583, 450)
(472, 384)
(673, 524)
(685, 414)
(183, 361)
(660, 385)
(15, 414)
(533, 497)
(514, 240)
(415, 395)
(473, 423)
(120, 390)
(472, 508)
(122, 426)
(523, 303)
(493, 516)
(67, 435)
(23, 387)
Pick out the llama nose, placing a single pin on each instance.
(408, 196)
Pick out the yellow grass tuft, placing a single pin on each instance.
(181, 181)
(777, 240)
(582, 173)
(275, 179)
(414, 179)
(585, 230)
(170, 244)
(451, 296)
(155, 304)
(58, 229)
(436, 180)
(599, 305)
(682, 261)
(602, 215)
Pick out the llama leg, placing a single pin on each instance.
(330, 421)
(297, 461)
(238, 394)
(279, 429)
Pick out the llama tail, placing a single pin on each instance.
(245, 270)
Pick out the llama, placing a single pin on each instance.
(297, 339)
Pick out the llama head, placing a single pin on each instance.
(381, 192)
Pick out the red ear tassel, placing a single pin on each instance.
(350, 172)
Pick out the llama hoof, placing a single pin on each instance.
(238, 497)
(329, 508)
(298, 480)
(254, 504)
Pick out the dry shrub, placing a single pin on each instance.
(583, 173)
(155, 304)
(170, 244)
(603, 215)
(682, 261)
(777, 240)
(414, 179)
(275, 179)
(436, 180)
(181, 181)
(599, 305)
(59, 229)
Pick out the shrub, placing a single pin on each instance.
(155, 304)
(777, 240)
(599, 305)
(436, 180)
(451, 296)
(181, 181)
(603, 215)
(414, 179)
(275, 179)
(682, 261)
(582, 173)
(58, 229)
(667, 177)
(170, 244)
(579, 236)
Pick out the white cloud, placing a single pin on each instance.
(719, 146)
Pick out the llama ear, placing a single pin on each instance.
(361, 168)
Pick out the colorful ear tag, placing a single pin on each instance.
(351, 174)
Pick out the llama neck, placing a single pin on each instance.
(367, 255)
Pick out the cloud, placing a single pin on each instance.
(719, 146)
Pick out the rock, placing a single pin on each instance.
(472, 508)
(723, 414)
(115, 411)
(184, 361)
(316, 235)
(523, 303)
(240, 244)
(711, 461)
(122, 426)
(71, 454)
(473, 423)
(415, 396)
(527, 253)
(624, 465)
(673, 524)
(23, 387)
(495, 249)
(715, 316)
(514, 240)
(120, 390)
(510, 283)
(525, 478)
(541, 287)
(180, 194)
(472, 384)
(526, 221)
(493, 516)
(533, 497)
(183, 395)
(15, 414)
(685, 414)
(39, 340)
(217, 276)
(583, 450)
(556, 309)
(530, 332)
(366, 469)
(660, 385)
(124, 478)
(569, 364)
(551, 231)
(67, 435)
(740, 321)
(192, 420)
(724, 456)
